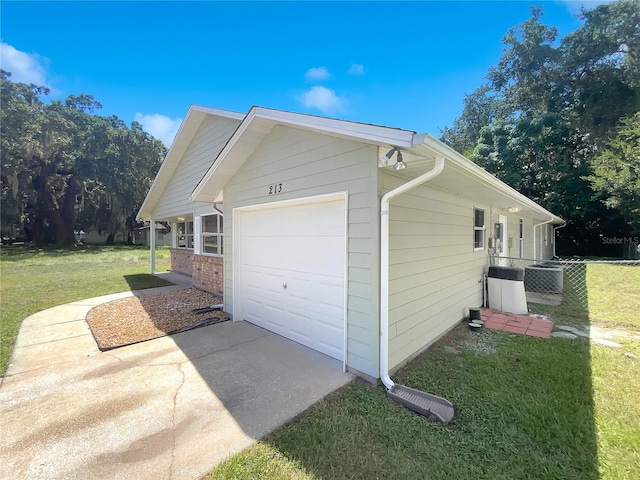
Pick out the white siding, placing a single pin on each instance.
(309, 164)
(434, 273)
(204, 148)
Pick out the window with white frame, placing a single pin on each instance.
(521, 238)
(184, 235)
(478, 229)
(212, 234)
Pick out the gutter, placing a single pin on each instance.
(384, 264)
(535, 237)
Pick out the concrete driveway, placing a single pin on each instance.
(170, 408)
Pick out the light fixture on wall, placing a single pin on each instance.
(514, 209)
(181, 219)
(399, 165)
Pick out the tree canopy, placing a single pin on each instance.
(547, 111)
(65, 168)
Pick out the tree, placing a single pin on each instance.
(60, 160)
(548, 109)
(616, 171)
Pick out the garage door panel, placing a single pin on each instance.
(268, 222)
(302, 248)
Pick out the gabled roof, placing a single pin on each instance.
(259, 122)
(186, 132)
(460, 174)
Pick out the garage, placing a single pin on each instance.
(291, 261)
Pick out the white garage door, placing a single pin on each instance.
(292, 272)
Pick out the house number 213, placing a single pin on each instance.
(275, 188)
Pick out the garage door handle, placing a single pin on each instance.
(284, 286)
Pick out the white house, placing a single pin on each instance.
(364, 242)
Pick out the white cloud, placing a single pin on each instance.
(356, 69)
(24, 67)
(160, 126)
(318, 74)
(323, 99)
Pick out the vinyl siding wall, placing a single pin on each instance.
(204, 148)
(434, 273)
(309, 164)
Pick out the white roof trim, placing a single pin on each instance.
(191, 122)
(357, 131)
(435, 146)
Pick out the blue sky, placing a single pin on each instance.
(397, 64)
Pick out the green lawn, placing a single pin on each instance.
(34, 279)
(527, 408)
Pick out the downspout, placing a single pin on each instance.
(384, 264)
(555, 239)
(535, 237)
(216, 209)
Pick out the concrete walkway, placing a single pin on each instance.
(170, 408)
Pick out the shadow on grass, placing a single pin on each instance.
(524, 410)
(143, 281)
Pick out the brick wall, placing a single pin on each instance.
(208, 273)
(182, 261)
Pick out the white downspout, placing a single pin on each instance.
(384, 264)
(555, 239)
(152, 244)
(535, 237)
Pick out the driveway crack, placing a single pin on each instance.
(173, 420)
(190, 359)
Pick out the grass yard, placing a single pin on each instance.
(527, 408)
(36, 279)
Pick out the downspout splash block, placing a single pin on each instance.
(426, 404)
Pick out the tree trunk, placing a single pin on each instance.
(64, 217)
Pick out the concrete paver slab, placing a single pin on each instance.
(169, 408)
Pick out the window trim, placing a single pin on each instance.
(482, 229)
(219, 234)
(186, 235)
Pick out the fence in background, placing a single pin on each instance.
(566, 286)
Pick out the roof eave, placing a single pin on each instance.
(196, 113)
(438, 147)
(373, 134)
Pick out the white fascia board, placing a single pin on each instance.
(436, 146)
(217, 112)
(191, 122)
(356, 131)
(198, 194)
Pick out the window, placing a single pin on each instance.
(184, 235)
(478, 228)
(212, 234)
(521, 238)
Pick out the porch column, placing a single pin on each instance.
(152, 244)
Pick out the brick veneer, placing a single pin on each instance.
(182, 261)
(208, 273)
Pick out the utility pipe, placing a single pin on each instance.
(152, 245)
(384, 264)
(535, 237)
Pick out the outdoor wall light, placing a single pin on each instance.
(514, 209)
(399, 165)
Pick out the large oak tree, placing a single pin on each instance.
(65, 167)
(549, 108)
